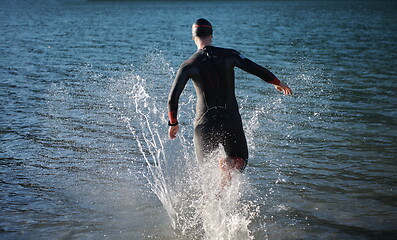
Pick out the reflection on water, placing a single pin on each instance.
(84, 151)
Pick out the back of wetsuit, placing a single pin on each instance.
(218, 119)
(212, 71)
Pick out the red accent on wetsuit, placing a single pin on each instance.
(275, 81)
(172, 118)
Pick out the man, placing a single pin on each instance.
(217, 119)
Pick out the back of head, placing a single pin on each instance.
(201, 28)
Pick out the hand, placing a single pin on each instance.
(282, 87)
(172, 131)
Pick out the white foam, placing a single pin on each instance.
(190, 192)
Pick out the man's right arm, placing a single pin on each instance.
(176, 90)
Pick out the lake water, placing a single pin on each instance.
(84, 151)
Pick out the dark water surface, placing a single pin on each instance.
(79, 78)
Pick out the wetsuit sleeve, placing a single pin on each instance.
(179, 84)
(255, 69)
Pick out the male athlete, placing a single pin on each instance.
(217, 119)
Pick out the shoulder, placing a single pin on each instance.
(188, 64)
(230, 52)
(192, 60)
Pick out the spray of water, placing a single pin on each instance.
(189, 191)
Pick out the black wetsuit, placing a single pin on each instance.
(217, 120)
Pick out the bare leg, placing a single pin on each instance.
(227, 165)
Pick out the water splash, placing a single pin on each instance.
(190, 192)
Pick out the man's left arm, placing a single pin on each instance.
(261, 72)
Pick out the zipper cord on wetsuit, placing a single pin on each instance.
(210, 55)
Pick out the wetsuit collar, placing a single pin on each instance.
(205, 47)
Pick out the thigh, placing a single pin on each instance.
(235, 143)
(206, 140)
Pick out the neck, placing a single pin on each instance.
(201, 43)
